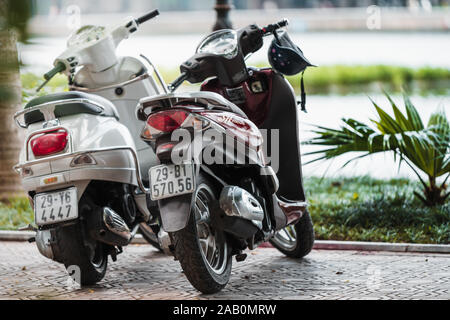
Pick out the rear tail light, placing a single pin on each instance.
(49, 143)
(163, 122)
(167, 121)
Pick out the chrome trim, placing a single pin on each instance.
(114, 223)
(237, 202)
(158, 75)
(50, 114)
(45, 130)
(51, 123)
(19, 166)
(112, 86)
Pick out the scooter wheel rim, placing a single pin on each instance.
(286, 238)
(213, 247)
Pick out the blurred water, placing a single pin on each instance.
(406, 49)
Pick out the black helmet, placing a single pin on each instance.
(285, 56)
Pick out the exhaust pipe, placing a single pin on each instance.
(109, 227)
(237, 202)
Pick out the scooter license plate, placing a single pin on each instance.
(55, 207)
(171, 180)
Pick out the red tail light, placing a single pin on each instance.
(167, 121)
(49, 143)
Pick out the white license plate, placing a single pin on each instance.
(55, 207)
(171, 180)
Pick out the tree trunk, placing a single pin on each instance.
(10, 101)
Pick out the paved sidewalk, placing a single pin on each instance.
(143, 273)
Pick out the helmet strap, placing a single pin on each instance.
(275, 34)
(303, 94)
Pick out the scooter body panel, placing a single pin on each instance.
(125, 94)
(98, 136)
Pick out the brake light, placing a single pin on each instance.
(48, 143)
(167, 121)
(163, 122)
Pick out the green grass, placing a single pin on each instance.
(15, 213)
(357, 209)
(343, 79)
(366, 209)
(30, 82)
(337, 79)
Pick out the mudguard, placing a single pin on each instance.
(175, 212)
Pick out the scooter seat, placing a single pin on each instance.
(83, 103)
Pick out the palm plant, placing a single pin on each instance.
(423, 149)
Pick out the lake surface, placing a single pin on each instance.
(406, 49)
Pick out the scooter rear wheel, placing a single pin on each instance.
(295, 241)
(203, 251)
(79, 252)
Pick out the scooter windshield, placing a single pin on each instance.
(85, 35)
(223, 43)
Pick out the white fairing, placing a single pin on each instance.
(99, 146)
(126, 102)
(97, 133)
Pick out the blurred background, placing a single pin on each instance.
(360, 46)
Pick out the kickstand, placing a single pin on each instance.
(114, 252)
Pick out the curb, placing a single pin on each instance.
(381, 246)
(7, 235)
(318, 244)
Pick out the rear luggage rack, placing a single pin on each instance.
(48, 110)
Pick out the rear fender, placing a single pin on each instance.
(175, 211)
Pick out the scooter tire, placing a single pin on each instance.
(304, 241)
(76, 258)
(193, 262)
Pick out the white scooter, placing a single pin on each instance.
(83, 163)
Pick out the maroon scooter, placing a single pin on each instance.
(215, 193)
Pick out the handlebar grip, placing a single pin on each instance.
(147, 16)
(60, 66)
(178, 81)
(272, 27)
(283, 23)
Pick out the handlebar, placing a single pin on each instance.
(178, 81)
(147, 16)
(271, 28)
(60, 66)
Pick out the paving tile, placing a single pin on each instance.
(141, 272)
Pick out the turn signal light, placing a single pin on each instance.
(49, 143)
